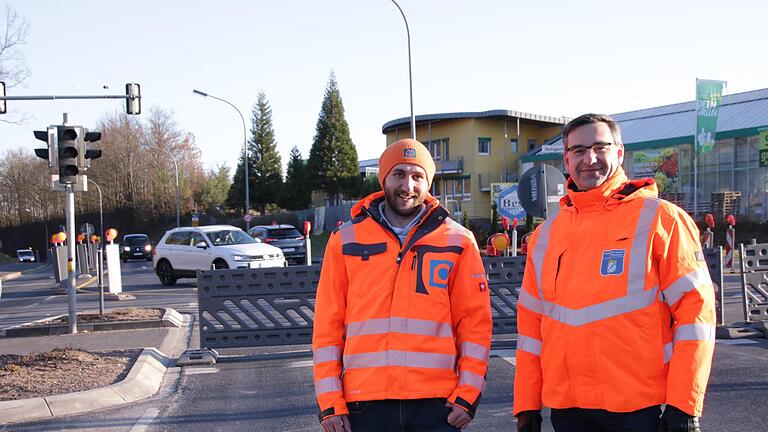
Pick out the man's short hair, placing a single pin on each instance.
(586, 119)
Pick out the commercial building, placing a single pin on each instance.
(472, 150)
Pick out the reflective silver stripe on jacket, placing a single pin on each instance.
(399, 358)
(636, 298)
(327, 385)
(471, 349)
(695, 332)
(472, 379)
(347, 230)
(685, 284)
(529, 301)
(399, 325)
(529, 345)
(455, 235)
(668, 348)
(326, 354)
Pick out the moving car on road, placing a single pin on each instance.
(183, 251)
(135, 246)
(286, 237)
(25, 255)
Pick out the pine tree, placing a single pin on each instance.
(267, 173)
(333, 166)
(297, 193)
(236, 194)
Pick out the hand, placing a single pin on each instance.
(458, 418)
(338, 423)
(529, 421)
(676, 420)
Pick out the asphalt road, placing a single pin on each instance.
(260, 389)
(32, 296)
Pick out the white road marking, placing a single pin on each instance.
(506, 354)
(303, 363)
(200, 370)
(735, 341)
(145, 420)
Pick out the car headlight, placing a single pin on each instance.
(241, 258)
(147, 248)
(126, 248)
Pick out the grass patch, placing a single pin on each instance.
(5, 259)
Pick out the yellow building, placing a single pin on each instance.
(473, 150)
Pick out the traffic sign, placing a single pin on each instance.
(247, 217)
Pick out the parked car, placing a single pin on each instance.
(183, 251)
(286, 237)
(25, 255)
(135, 246)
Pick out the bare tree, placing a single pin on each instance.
(13, 67)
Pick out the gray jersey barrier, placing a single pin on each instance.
(275, 306)
(754, 280)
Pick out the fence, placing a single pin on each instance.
(754, 280)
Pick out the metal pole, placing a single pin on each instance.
(100, 274)
(410, 74)
(245, 153)
(69, 210)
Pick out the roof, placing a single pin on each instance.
(368, 163)
(406, 121)
(205, 228)
(741, 114)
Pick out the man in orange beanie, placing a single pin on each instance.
(402, 309)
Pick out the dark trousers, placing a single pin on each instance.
(597, 420)
(416, 415)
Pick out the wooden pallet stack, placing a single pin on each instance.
(725, 203)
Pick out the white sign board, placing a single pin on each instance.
(113, 265)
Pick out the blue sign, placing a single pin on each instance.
(508, 204)
(613, 262)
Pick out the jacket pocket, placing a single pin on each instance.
(363, 250)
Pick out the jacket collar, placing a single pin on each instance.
(615, 189)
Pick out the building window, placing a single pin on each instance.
(435, 189)
(531, 144)
(438, 148)
(513, 145)
(458, 189)
(483, 146)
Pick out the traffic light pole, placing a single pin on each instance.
(69, 211)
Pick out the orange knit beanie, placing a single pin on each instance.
(406, 151)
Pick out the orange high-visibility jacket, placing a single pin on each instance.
(617, 309)
(400, 321)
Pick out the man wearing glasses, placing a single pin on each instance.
(616, 314)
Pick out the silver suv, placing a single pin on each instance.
(183, 251)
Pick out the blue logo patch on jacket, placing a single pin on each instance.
(439, 271)
(409, 153)
(613, 262)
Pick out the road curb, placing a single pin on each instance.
(143, 381)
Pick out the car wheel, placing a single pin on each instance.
(220, 265)
(165, 273)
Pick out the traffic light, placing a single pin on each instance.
(2, 101)
(89, 152)
(51, 153)
(70, 155)
(133, 101)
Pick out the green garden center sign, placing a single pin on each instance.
(763, 148)
(708, 97)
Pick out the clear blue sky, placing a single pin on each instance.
(559, 58)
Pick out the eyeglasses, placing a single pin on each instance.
(599, 148)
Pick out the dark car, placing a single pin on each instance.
(135, 246)
(286, 237)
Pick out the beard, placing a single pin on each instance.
(404, 208)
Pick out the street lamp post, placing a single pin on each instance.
(176, 167)
(410, 74)
(245, 153)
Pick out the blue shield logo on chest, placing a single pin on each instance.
(613, 262)
(439, 271)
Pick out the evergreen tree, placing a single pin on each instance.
(236, 194)
(267, 173)
(297, 193)
(333, 166)
(216, 187)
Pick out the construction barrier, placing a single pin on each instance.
(754, 280)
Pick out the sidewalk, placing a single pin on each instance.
(12, 271)
(161, 346)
